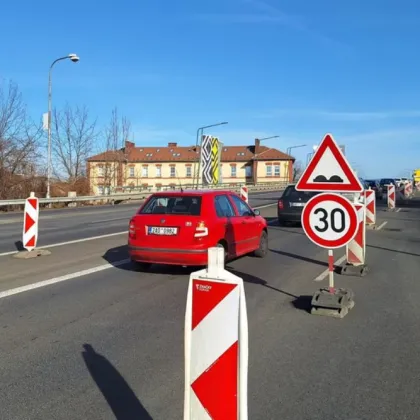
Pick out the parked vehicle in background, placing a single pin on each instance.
(374, 185)
(177, 228)
(399, 182)
(383, 184)
(291, 204)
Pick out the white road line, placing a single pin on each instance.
(398, 210)
(22, 289)
(381, 225)
(325, 273)
(92, 238)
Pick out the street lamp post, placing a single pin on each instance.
(201, 129)
(288, 152)
(75, 59)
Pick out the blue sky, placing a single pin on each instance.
(293, 68)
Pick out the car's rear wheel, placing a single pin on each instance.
(224, 245)
(141, 266)
(262, 251)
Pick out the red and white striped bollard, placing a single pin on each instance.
(370, 203)
(356, 249)
(391, 196)
(244, 193)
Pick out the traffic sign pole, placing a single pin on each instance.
(330, 221)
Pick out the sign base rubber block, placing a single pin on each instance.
(354, 270)
(25, 255)
(336, 304)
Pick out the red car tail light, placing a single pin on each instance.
(280, 205)
(201, 230)
(131, 230)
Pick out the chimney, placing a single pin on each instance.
(257, 146)
(172, 144)
(129, 145)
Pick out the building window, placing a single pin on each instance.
(276, 170)
(100, 190)
(188, 171)
(248, 171)
(131, 172)
(158, 171)
(173, 172)
(269, 170)
(100, 171)
(145, 172)
(233, 171)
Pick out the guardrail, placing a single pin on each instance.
(119, 197)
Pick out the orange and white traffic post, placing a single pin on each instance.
(370, 204)
(216, 344)
(244, 193)
(30, 223)
(356, 248)
(391, 197)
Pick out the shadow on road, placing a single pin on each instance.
(299, 302)
(116, 391)
(393, 250)
(299, 257)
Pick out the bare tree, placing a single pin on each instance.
(297, 170)
(19, 144)
(73, 138)
(116, 133)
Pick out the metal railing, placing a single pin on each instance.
(126, 196)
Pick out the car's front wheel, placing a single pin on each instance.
(262, 250)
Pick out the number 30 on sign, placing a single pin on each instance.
(329, 220)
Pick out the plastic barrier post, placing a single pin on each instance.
(370, 203)
(244, 193)
(216, 344)
(391, 197)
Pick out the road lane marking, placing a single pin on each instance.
(325, 273)
(92, 238)
(28, 287)
(381, 225)
(398, 210)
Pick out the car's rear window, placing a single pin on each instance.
(371, 183)
(292, 194)
(189, 205)
(387, 181)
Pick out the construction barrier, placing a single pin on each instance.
(408, 190)
(391, 196)
(244, 193)
(216, 344)
(356, 249)
(30, 223)
(370, 203)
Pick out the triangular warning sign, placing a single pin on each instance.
(217, 387)
(206, 295)
(329, 171)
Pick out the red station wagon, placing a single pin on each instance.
(178, 227)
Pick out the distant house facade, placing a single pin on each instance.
(173, 165)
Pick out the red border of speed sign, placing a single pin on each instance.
(351, 210)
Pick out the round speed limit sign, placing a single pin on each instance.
(329, 220)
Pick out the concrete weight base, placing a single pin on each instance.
(336, 304)
(354, 270)
(25, 255)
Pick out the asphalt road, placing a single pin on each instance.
(57, 226)
(109, 345)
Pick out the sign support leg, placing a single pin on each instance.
(331, 270)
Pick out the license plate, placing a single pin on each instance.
(297, 204)
(165, 231)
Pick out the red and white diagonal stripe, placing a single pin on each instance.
(356, 249)
(391, 196)
(30, 223)
(370, 202)
(244, 193)
(212, 350)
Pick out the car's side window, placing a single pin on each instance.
(241, 206)
(223, 206)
